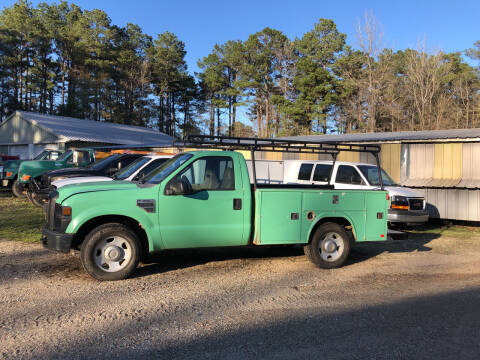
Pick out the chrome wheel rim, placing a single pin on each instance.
(331, 246)
(112, 254)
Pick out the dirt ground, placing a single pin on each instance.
(406, 299)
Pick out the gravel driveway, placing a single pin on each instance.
(409, 299)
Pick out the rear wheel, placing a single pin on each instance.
(330, 246)
(17, 189)
(110, 252)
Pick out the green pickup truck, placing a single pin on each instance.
(30, 171)
(9, 170)
(204, 199)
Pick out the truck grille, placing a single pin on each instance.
(51, 214)
(415, 204)
(53, 222)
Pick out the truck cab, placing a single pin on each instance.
(71, 158)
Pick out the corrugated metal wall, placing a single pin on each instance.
(390, 160)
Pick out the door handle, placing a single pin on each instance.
(237, 204)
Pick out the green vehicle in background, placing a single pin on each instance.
(9, 170)
(31, 171)
(203, 199)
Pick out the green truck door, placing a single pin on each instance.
(213, 215)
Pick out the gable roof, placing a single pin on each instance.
(73, 129)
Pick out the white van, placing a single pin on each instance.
(407, 205)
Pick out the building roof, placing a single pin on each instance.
(414, 136)
(73, 129)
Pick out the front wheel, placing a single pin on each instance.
(110, 252)
(17, 189)
(35, 199)
(330, 246)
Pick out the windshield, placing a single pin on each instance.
(130, 169)
(65, 155)
(97, 165)
(371, 173)
(156, 176)
(41, 156)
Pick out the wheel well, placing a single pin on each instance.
(119, 219)
(337, 220)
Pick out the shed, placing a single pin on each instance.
(26, 133)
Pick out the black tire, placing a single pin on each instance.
(329, 236)
(36, 200)
(99, 237)
(17, 189)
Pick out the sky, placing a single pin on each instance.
(443, 25)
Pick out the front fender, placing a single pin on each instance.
(88, 206)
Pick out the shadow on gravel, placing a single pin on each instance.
(444, 326)
(414, 242)
(182, 259)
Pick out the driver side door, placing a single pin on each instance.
(211, 213)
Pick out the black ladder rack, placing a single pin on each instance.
(280, 145)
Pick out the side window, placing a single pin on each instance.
(152, 166)
(127, 160)
(53, 155)
(348, 175)
(322, 172)
(81, 157)
(212, 173)
(305, 172)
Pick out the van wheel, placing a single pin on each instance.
(17, 189)
(110, 252)
(330, 246)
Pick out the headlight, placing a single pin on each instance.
(399, 202)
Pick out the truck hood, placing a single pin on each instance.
(36, 168)
(81, 188)
(71, 172)
(78, 180)
(403, 191)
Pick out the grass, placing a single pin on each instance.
(19, 219)
(455, 231)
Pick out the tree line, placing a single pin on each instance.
(64, 60)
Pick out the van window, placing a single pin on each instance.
(348, 175)
(322, 172)
(305, 172)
